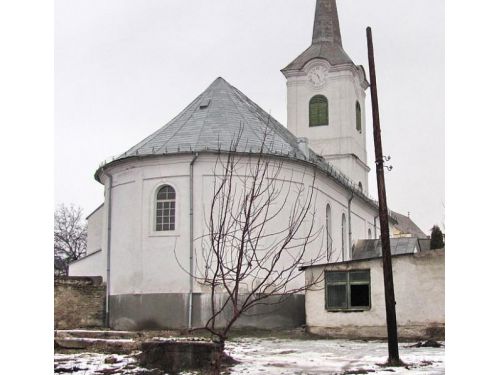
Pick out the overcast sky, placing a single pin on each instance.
(124, 68)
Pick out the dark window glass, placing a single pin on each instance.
(360, 295)
(318, 111)
(358, 117)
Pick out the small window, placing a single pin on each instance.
(360, 186)
(369, 234)
(318, 111)
(165, 209)
(358, 117)
(347, 290)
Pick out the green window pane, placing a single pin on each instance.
(358, 117)
(334, 277)
(357, 276)
(337, 296)
(318, 111)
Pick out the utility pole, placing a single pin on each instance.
(390, 302)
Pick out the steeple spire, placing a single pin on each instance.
(326, 23)
(326, 41)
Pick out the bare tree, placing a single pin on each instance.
(251, 255)
(70, 237)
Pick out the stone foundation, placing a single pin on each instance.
(407, 332)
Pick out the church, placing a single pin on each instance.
(145, 237)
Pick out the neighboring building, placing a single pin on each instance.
(158, 193)
(348, 301)
(405, 227)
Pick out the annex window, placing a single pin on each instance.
(347, 290)
(165, 209)
(318, 111)
(358, 117)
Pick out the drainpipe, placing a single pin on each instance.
(191, 239)
(349, 219)
(108, 255)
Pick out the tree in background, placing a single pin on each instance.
(437, 238)
(70, 237)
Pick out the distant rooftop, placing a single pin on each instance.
(406, 225)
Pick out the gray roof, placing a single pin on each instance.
(406, 225)
(326, 41)
(219, 116)
(367, 249)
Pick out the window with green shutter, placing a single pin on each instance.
(347, 290)
(318, 111)
(358, 117)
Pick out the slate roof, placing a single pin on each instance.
(213, 121)
(221, 118)
(367, 249)
(406, 225)
(326, 40)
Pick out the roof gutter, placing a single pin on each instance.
(108, 252)
(191, 239)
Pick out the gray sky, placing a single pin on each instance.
(124, 68)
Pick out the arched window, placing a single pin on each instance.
(360, 185)
(329, 238)
(165, 209)
(369, 234)
(344, 237)
(358, 117)
(318, 111)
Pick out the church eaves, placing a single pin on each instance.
(326, 40)
(223, 119)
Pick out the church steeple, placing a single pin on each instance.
(326, 41)
(326, 98)
(326, 23)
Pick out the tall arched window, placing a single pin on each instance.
(318, 111)
(369, 234)
(344, 237)
(329, 238)
(165, 209)
(358, 117)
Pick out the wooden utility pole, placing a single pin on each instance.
(390, 302)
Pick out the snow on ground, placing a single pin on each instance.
(283, 357)
(277, 356)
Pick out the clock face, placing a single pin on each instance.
(317, 76)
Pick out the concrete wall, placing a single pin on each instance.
(95, 230)
(170, 310)
(92, 265)
(79, 302)
(419, 282)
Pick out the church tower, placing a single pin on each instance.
(326, 98)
